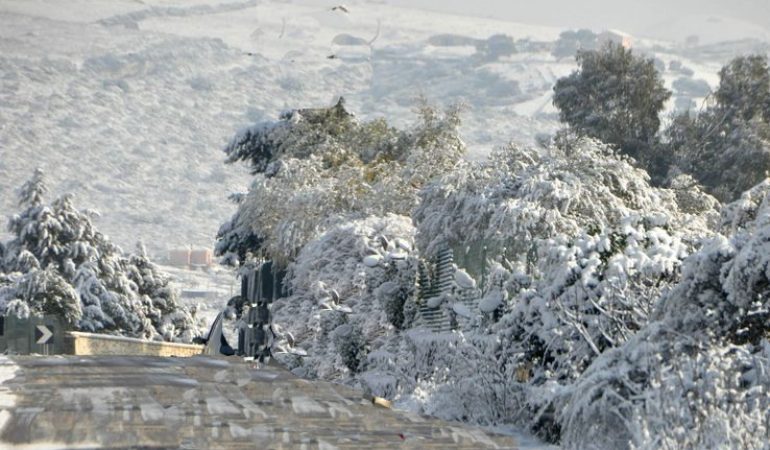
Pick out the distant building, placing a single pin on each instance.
(201, 257)
(616, 37)
(179, 257)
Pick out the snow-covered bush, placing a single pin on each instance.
(695, 377)
(56, 262)
(581, 248)
(454, 376)
(316, 167)
(348, 289)
(588, 243)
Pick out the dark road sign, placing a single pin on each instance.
(34, 334)
(42, 334)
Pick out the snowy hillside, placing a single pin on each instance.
(707, 29)
(128, 103)
(131, 102)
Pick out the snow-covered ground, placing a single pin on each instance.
(127, 103)
(124, 102)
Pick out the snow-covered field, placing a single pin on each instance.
(127, 104)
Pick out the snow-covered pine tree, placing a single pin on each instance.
(57, 262)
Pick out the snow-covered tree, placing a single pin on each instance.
(57, 262)
(315, 167)
(349, 289)
(726, 147)
(696, 376)
(744, 87)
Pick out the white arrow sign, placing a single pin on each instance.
(43, 334)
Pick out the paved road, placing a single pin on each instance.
(201, 403)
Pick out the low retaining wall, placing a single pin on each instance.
(77, 343)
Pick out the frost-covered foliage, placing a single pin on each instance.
(350, 288)
(581, 247)
(696, 377)
(452, 375)
(604, 320)
(57, 262)
(665, 389)
(577, 185)
(317, 167)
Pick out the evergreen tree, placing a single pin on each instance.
(727, 146)
(744, 88)
(57, 262)
(614, 96)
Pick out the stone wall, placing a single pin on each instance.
(77, 343)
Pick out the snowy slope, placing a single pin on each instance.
(128, 103)
(708, 29)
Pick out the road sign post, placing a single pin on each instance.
(32, 335)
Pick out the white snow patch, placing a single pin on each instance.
(434, 302)
(491, 302)
(462, 310)
(464, 280)
(372, 260)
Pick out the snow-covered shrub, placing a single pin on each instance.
(455, 376)
(345, 287)
(580, 248)
(665, 389)
(695, 377)
(56, 262)
(587, 243)
(316, 167)
(725, 287)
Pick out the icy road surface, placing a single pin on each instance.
(202, 403)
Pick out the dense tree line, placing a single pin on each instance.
(618, 97)
(619, 301)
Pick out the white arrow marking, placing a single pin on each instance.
(46, 334)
